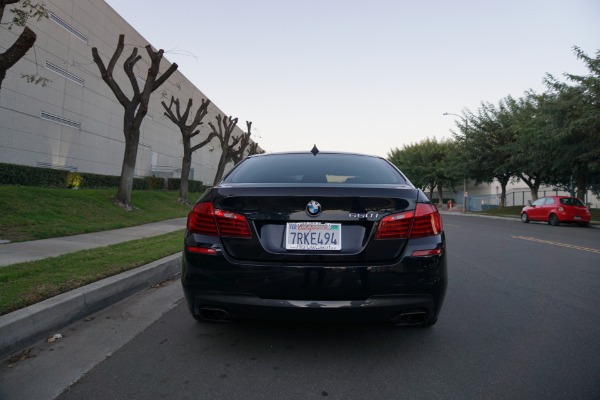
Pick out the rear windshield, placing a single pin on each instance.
(322, 168)
(571, 201)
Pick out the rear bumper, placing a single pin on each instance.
(376, 308)
(216, 285)
(563, 217)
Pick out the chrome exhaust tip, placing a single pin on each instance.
(410, 318)
(215, 314)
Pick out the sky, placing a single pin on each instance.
(363, 76)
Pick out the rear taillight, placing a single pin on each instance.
(232, 224)
(424, 221)
(202, 220)
(395, 226)
(428, 221)
(205, 220)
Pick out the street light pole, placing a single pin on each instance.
(465, 194)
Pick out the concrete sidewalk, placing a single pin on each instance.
(21, 328)
(12, 253)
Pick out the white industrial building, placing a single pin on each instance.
(75, 121)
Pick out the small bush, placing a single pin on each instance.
(74, 180)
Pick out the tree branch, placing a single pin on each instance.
(186, 113)
(165, 76)
(15, 52)
(201, 113)
(116, 54)
(204, 142)
(128, 68)
(4, 3)
(107, 74)
(169, 112)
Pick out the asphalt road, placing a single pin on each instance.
(521, 321)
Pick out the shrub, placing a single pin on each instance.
(197, 186)
(11, 174)
(21, 175)
(138, 183)
(193, 186)
(174, 184)
(74, 180)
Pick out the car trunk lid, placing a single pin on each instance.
(275, 212)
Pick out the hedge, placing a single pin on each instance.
(11, 174)
(193, 186)
(20, 175)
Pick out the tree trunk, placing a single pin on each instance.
(185, 173)
(581, 184)
(132, 135)
(534, 192)
(440, 195)
(534, 185)
(503, 193)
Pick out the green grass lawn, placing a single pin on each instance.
(30, 213)
(24, 284)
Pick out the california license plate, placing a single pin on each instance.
(313, 236)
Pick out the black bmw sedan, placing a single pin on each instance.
(317, 236)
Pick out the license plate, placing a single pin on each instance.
(313, 236)
(577, 218)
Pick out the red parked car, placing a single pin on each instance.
(557, 209)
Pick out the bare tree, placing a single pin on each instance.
(25, 40)
(135, 108)
(254, 149)
(226, 127)
(187, 133)
(240, 153)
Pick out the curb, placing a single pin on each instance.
(24, 327)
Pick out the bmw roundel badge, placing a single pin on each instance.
(313, 208)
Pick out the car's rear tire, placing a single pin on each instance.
(553, 220)
(524, 218)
